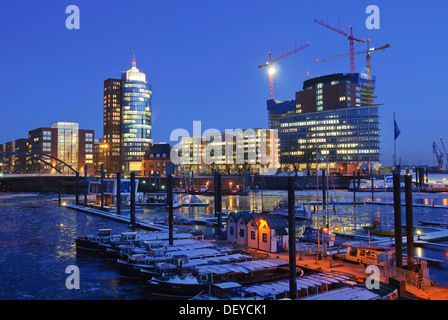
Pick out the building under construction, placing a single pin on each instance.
(333, 121)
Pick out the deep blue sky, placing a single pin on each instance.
(201, 59)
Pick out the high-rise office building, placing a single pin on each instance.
(136, 118)
(335, 122)
(111, 144)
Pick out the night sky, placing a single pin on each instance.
(202, 57)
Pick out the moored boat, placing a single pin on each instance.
(190, 285)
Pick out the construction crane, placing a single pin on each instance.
(444, 149)
(271, 68)
(439, 155)
(368, 65)
(349, 36)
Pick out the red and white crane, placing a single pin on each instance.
(272, 70)
(349, 36)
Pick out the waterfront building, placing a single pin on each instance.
(111, 144)
(64, 141)
(335, 123)
(136, 119)
(20, 147)
(42, 140)
(13, 163)
(260, 232)
(251, 150)
(156, 159)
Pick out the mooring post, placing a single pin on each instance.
(86, 186)
(371, 182)
(354, 187)
(59, 190)
(77, 188)
(218, 200)
(409, 222)
(397, 219)
(118, 193)
(102, 186)
(170, 208)
(133, 191)
(359, 179)
(292, 239)
(324, 189)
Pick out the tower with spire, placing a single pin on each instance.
(136, 118)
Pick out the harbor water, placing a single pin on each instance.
(37, 239)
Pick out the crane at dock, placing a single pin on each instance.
(439, 155)
(444, 149)
(349, 36)
(272, 69)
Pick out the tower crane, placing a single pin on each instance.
(439, 155)
(272, 70)
(349, 36)
(368, 65)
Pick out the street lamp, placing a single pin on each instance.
(104, 146)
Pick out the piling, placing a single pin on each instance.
(218, 200)
(371, 183)
(86, 187)
(102, 186)
(170, 208)
(59, 190)
(133, 191)
(77, 188)
(292, 240)
(354, 187)
(118, 193)
(397, 220)
(324, 189)
(359, 180)
(409, 222)
(421, 174)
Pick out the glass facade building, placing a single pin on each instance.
(347, 138)
(68, 142)
(136, 118)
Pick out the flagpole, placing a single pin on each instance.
(395, 145)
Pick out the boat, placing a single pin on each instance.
(437, 186)
(91, 243)
(310, 235)
(300, 210)
(368, 253)
(376, 228)
(103, 240)
(307, 286)
(385, 184)
(141, 264)
(189, 285)
(193, 201)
